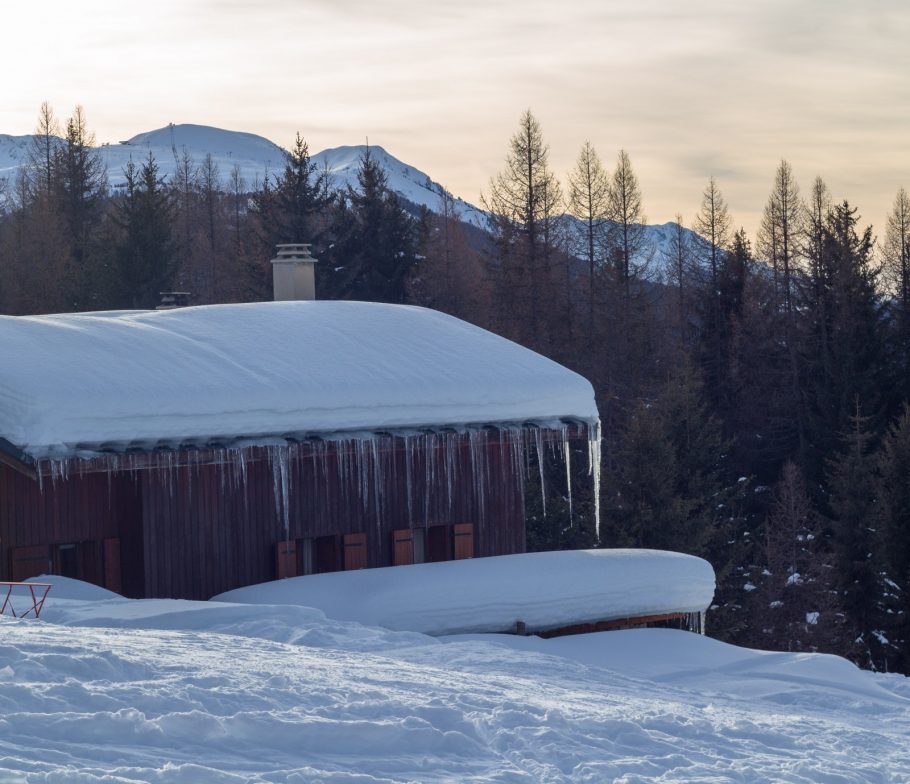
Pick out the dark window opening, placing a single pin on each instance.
(437, 545)
(326, 554)
(305, 557)
(66, 561)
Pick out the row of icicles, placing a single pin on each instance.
(360, 460)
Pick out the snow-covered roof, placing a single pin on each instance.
(542, 590)
(264, 369)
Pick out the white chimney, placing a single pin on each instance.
(293, 273)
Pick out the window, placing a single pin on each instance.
(437, 546)
(326, 554)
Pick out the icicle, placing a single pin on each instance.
(408, 447)
(538, 442)
(567, 459)
(278, 458)
(594, 458)
(428, 472)
(695, 622)
(378, 479)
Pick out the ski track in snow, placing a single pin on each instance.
(95, 704)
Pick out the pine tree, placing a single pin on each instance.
(83, 188)
(375, 241)
(894, 517)
(301, 197)
(854, 511)
(796, 607)
(846, 349)
(145, 254)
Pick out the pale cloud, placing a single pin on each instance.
(690, 89)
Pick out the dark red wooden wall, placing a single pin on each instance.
(195, 531)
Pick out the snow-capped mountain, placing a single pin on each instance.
(255, 158)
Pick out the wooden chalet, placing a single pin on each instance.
(186, 452)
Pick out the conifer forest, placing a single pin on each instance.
(754, 391)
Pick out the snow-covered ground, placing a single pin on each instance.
(105, 689)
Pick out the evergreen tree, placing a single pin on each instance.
(796, 606)
(894, 492)
(301, 197)
(82, 183)
(375, 241)
(145, 254)
(666, 471)
(854, 511)
(846, 355)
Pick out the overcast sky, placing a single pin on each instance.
(690, 89)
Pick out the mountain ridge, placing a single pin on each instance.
(255, 157)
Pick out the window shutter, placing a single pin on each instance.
(112, 580)
(402, 547)
(28, 562)
(464, 540)
(355, 551)
(285, 559)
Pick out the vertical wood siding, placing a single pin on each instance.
(195, 532)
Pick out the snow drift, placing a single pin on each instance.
(80, 381)
(542, 590)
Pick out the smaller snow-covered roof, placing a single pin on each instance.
(487, 595)
(264, 369)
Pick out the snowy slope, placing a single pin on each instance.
(342, 163)
(13, 153)
(203, 693)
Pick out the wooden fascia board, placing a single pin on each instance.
(15, 458)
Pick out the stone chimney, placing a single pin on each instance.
(293, 273)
